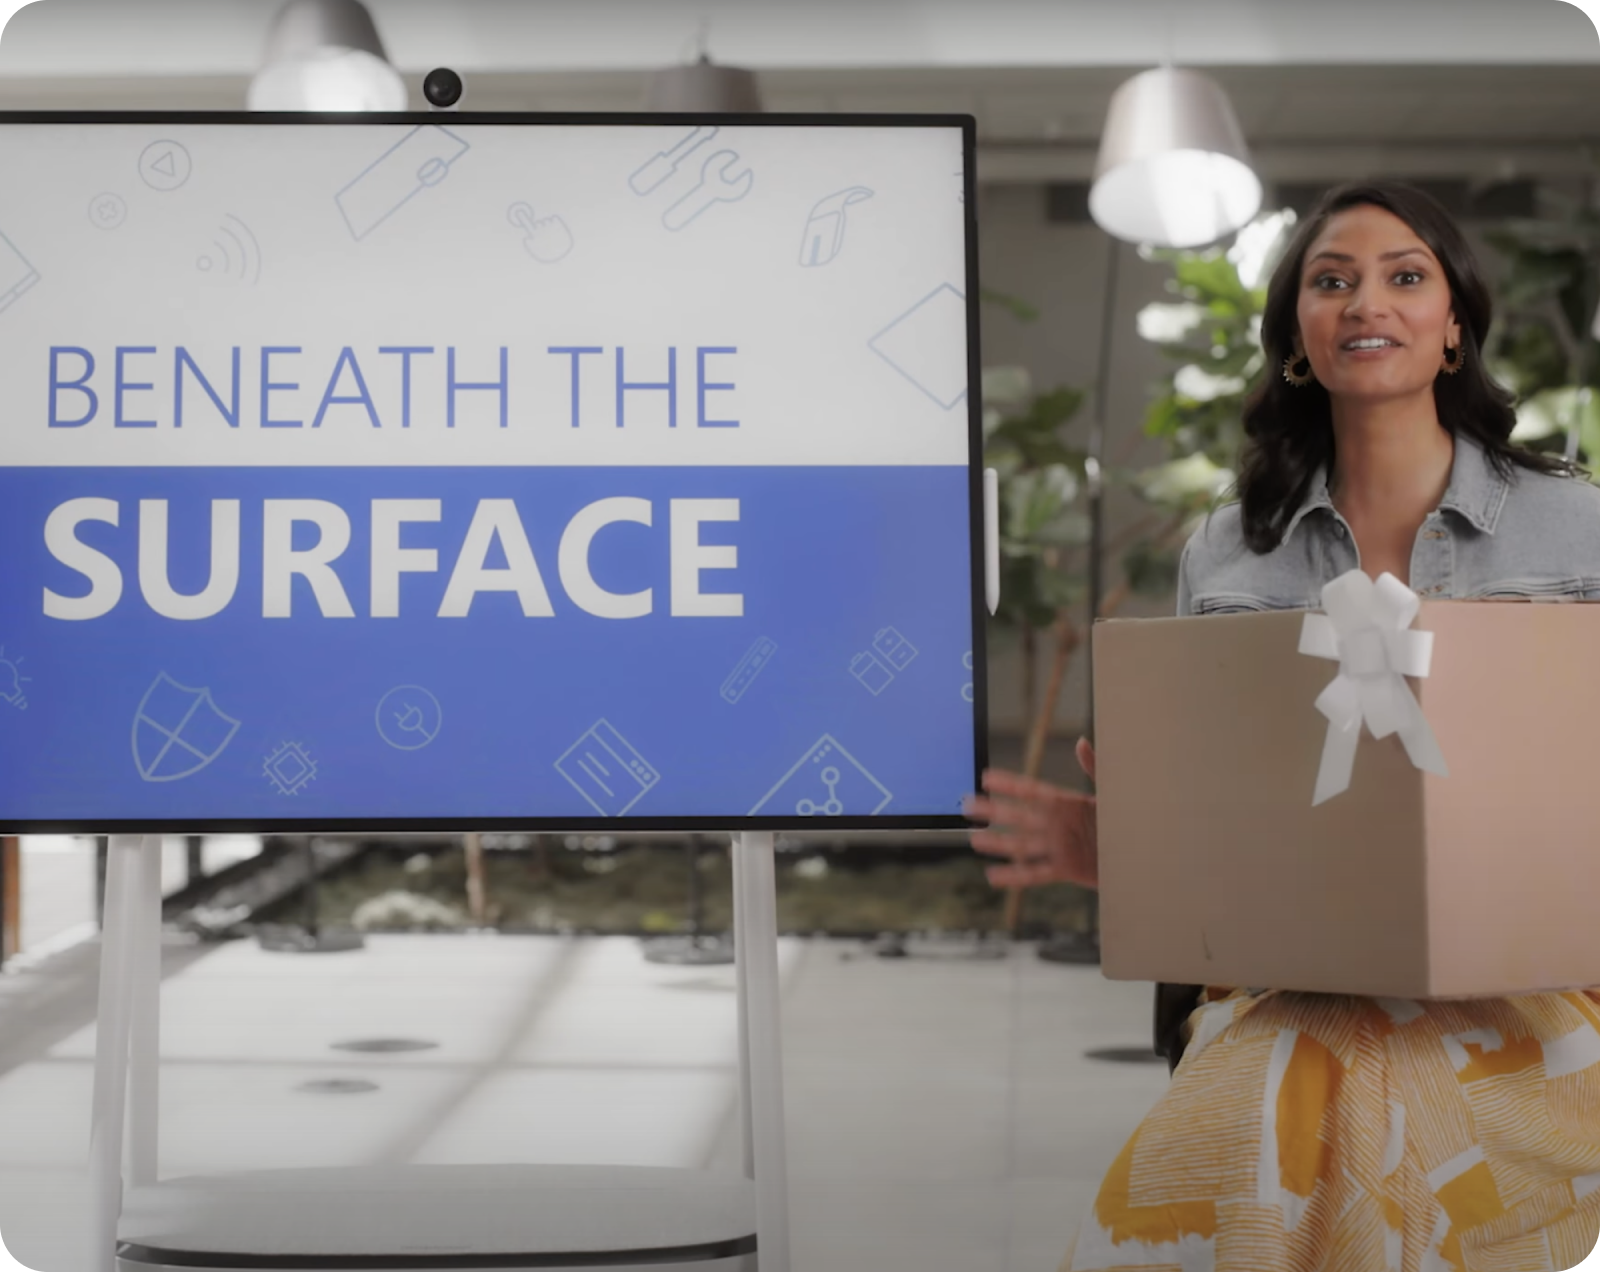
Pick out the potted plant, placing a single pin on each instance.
(1212, 335)
(1544, 344)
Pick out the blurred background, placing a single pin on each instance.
(1106, 353)
(1119, 342)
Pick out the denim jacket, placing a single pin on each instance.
(1531, 535)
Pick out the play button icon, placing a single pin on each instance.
(164, 165)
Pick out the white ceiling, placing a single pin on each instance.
(205, 37)
(1485, 88)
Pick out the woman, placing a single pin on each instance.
(1320, 1133)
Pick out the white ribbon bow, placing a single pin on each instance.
(1365, 631)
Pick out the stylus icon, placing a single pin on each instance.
(824, 233)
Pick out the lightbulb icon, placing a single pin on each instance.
(11, 681)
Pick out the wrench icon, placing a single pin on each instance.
(715, 186)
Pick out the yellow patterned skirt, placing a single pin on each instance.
(1318, 1133)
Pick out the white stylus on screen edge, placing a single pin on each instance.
(991, 539)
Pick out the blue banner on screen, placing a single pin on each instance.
(401, 474)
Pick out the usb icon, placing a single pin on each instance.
(740, 679)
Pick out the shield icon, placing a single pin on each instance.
(177, 731)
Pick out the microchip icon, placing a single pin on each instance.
(290, 768)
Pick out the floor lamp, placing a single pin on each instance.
(1073, 947)
(1173, 171)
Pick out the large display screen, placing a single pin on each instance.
(476, 470)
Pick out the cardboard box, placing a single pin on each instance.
(1216, 869)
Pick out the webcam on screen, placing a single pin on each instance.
(443, 89)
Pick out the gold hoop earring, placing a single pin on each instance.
(1454, 356)
(1297, 370)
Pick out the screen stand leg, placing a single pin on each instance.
(130, 986)
(755, 943)
(144, 1026)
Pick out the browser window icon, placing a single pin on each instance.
(607, 771)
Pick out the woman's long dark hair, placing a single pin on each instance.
(1289, 429)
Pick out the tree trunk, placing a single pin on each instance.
(1067, 641)
(194, 860)
(475, 890)
(10, 897)
(539, 867)
(1028, 647)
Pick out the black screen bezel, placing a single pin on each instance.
(628, 822)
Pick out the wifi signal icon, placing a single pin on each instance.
(235, 256)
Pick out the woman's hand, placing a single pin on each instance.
(1047, 833)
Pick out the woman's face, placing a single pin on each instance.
(1374, 310)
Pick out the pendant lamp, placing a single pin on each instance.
(704, 88)
(1173, 169)
(325, 55)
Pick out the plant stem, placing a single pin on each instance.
(1131, 533)
(1029, 648)
(1068, 638)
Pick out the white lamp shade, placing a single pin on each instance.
(1173, 169)
(704, 88)
(325, 55)
(332, 80)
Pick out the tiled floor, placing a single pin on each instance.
(941, 1114)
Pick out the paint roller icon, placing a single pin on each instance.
(824, 235)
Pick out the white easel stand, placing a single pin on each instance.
(624, 1219)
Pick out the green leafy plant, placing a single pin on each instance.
(1044, 536)
(1041, 478)
(1211, 333)
(1044, 532)
(1544, 344)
